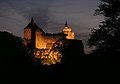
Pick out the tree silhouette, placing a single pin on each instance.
(106, 39)
(15, 62)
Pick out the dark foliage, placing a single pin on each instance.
(14, 61)
(106, 39)
(17, 65)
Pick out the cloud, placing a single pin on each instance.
(16, 14)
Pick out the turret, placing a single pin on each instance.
(66, 25)
(68, 31)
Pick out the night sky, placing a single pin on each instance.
(50, 15)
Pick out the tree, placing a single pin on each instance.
(14, 59)
(106, 39)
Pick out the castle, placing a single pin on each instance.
(41, 40)
(47, 46)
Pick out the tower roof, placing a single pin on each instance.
(32, 21)
(32, 25)
(66, 25)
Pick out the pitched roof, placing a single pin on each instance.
(66, 25)
(33, 26)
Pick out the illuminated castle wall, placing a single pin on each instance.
(37, 38)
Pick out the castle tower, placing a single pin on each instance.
(68, 31)
(30, 33)
(40, 39)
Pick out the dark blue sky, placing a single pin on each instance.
(50, 15)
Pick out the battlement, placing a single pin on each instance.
(55, 34)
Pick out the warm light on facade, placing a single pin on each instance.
(68, 31)
(48, 57)
(44, 45)
(27, 33)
